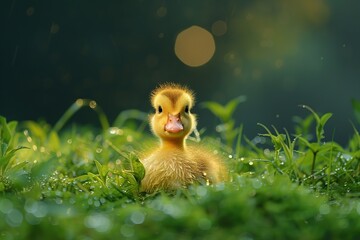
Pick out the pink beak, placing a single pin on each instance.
(174, 124)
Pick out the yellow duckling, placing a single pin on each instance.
(175, 164)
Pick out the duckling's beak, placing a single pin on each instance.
(174, 124)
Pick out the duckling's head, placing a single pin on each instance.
(172, 120)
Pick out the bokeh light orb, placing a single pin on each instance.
(195, 46)
(219, 28)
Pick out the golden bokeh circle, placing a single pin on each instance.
(195, 46)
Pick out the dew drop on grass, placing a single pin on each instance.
(79, 102)
(127, 230)
(97, 203)
(251, 163)
(137, 217)
(112, 130)
(92, 104)
(256, 183)
(201, 191)
(14, 218)
(36, 208)
(207, 182)
(31, 219)
(99, 222)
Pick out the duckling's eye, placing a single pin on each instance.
(187, 109)
(159, 109)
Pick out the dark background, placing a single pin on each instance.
(278, 53)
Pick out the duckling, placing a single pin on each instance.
(175, 164)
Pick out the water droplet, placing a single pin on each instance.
(79, 102)
(251, 163)
(137, 217)
(14, 218)
(207, 182)
(98, 221)
(97, 203)
(256, 183)
(113, 130)
(127, 230)
(201, 191)
(92, 104)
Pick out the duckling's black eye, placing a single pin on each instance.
(187, 109)
(159, 109)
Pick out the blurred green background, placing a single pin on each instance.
(279, 54)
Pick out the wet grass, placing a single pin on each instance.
(82, 182)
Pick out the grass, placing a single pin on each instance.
(80, 182)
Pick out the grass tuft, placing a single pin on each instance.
(84, 183)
